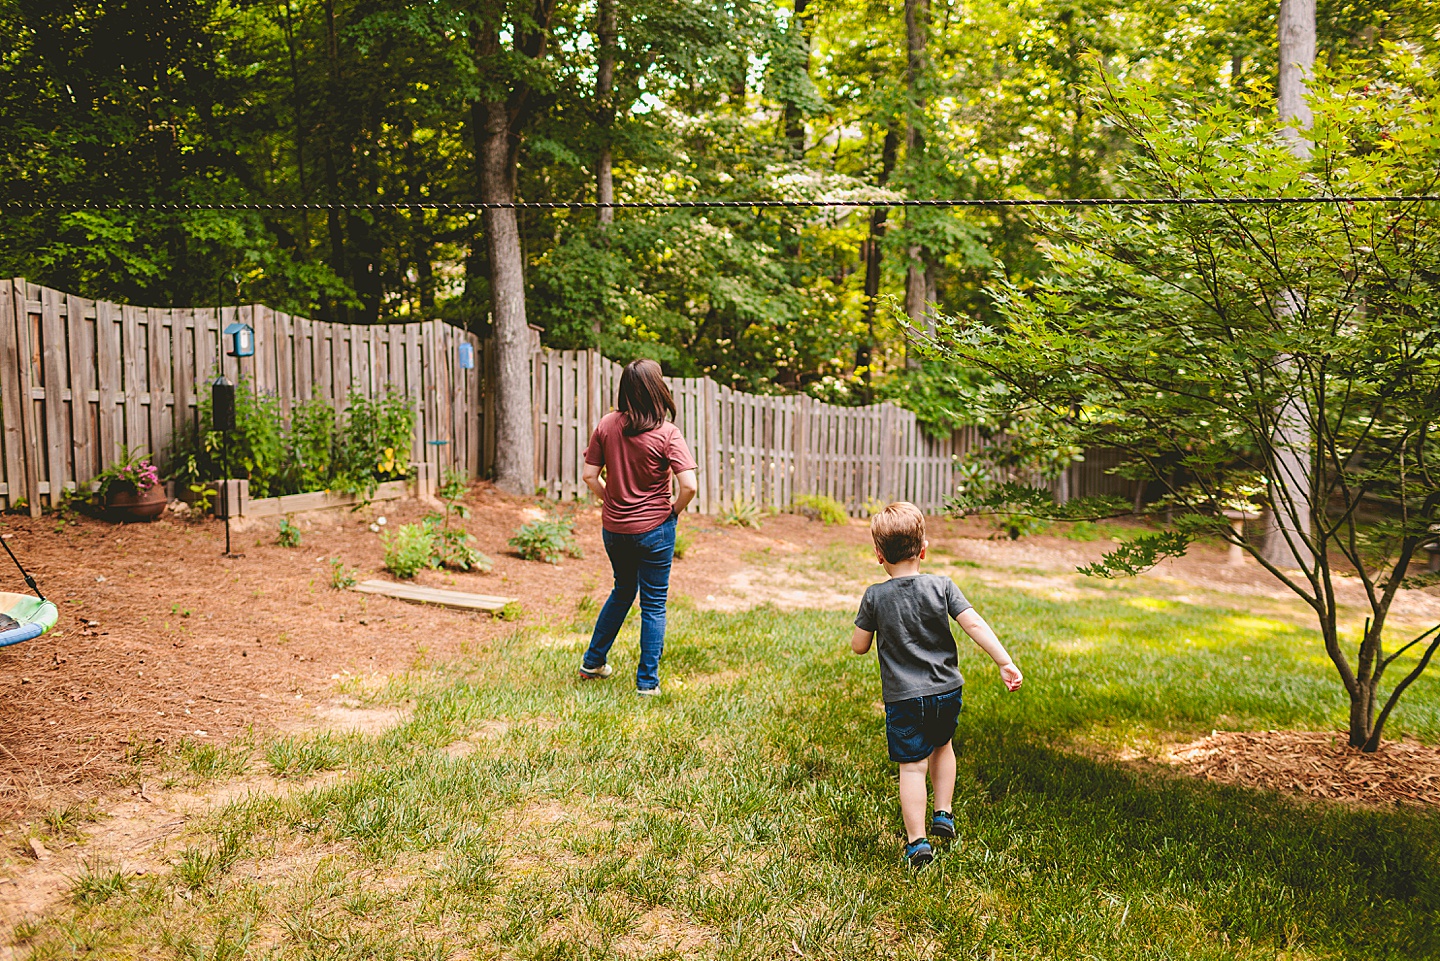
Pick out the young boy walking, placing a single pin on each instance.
(908, 619)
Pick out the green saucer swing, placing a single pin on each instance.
(22, 617)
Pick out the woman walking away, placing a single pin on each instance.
(638, 450)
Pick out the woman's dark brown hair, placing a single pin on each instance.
(645, 398)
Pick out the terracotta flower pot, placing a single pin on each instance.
(129, 505)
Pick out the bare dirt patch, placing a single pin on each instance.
(1314, 764)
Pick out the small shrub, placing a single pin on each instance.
(873, 506)
(341, 577)
(827, 510)
(510, 612)
(409, 550)
(546, 540)
(742, 513)
(453, 484)
(289, 535)
(1016, 526)
(453, 549)
(1083, 531)
(684, 540)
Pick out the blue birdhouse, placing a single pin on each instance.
(242, 340)
(467, 356)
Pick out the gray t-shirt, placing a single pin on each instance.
(910, 617)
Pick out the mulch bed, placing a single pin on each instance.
(1315, 764)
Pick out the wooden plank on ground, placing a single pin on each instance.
(433, 595)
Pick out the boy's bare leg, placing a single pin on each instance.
(942, 777)
(912, 795)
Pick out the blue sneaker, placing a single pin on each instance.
(919, 853)
(942, 825)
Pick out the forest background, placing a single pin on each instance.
(361, 101)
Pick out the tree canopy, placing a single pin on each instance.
(355, 101)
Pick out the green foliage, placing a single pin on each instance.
(512, 611)
(1139, 555)
(1082, 531)
(1185, 338)
(289, 534)
(1017, 526)
(373, 444)
(316, 450)
(546, 540)
(311, 444)
(741, 513)
(429, 544)
(133, 471)
(825, 509)
(97, 883)
(409, 549)
(341, 577)
(684, 540)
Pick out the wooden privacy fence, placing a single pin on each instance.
(79, 378)
(767, 450)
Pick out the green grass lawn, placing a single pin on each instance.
(751, 812)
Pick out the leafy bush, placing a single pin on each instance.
(1017, 526)
(409, 549)
(874, 506)
(512, 611)
(546, 540)
(316, 450)
(825, 509)
(416, 547)
(1083, 531)
(289, 535)
(742, 513)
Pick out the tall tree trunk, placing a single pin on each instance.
(918, 280)
(871, 252)
(607, 36)
(338, 259)
(495, 149)
(1288, 522)
(794, 117)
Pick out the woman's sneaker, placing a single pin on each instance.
(595, 674)
(919, 853)
(942, 825)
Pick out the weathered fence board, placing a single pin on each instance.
(79, 379)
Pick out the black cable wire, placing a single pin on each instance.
(23, 573)
(462, 206)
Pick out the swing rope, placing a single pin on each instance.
(23, 573)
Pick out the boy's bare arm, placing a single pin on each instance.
(984, 637)
(860, 641)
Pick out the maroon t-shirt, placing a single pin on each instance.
(637, 472)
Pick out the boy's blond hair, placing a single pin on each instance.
(899, 531)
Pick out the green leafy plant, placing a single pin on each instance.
(289, 534)
(341, 577)
(742, 513)
(827, 510)
(873, 506)
(374, 443)
(1083, 531)
(684, 540)
(409, 549)
(546, 540)
(454, 548)
(310, 444)
(202, 499)
(512, 611)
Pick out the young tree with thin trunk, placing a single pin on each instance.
(919, 273)
(505, 66)
(1288, 522)
(1169, 336)
(607, 39)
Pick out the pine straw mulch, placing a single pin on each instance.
(1315, 764)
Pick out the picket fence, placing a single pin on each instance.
(764, 450)
(79, 378)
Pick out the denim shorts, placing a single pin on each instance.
(914, 728)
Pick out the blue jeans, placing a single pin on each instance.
(640, 561)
